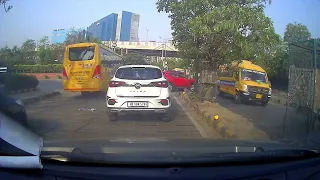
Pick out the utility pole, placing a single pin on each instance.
(147, 35)
(164, 49)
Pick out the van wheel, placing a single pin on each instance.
(237, 98)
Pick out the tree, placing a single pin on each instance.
(11, 56)
(44, 52)
(158, 63)
(58, 51)
(44, 42)
(79, 35)
(214, 32)
(133, 59)
(296, 32)
(4, 2)
(45, 56)
(28, 49)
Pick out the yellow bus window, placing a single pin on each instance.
(81, 53)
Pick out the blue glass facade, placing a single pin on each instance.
(105, 28)
(125, 26)
(59, 35)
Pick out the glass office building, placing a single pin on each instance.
(123, 26)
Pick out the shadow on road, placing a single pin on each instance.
(43, 126)
(270, 118)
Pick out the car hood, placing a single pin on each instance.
(118, 145)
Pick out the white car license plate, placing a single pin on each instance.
(137, 104)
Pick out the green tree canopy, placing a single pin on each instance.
(58, 51)
(79, 35)
(28, 49)
(219, 31)
(296, 32)
(44, 42)
(4, 4)
(133, 59)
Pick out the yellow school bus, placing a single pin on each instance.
(87, 66)
(245, 81)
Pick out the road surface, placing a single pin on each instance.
(61, 116)
(69, 116)
(270, 118)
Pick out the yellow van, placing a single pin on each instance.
(245, 81)
(85, 67)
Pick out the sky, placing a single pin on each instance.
(32, 19)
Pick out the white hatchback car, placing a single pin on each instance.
(138, 88)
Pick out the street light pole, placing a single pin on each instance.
(147, 35)
(164, 49)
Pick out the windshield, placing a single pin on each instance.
(81, 53)
(183, 73)
(249, 75)
(138, 73)
(178, 74)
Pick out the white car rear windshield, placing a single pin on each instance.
(138, 73)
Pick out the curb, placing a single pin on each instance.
(208, 118)
(30, 100)
(23, 91)
(186, 98)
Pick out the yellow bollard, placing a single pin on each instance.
(216, 117)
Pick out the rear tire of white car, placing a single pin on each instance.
(165, 117)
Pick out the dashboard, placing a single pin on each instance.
(308, 169)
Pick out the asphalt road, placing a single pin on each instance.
(270, 118)
(50, 85)
(67, 116)
(61, 115)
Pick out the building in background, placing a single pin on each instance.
(123, 26)
(59, 35)
(127, 26)
(105, 28)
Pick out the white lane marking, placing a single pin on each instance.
(194, 121)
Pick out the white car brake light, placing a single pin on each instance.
(116, 83)
(162, 84)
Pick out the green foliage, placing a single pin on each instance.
(133, 59)
(46, 77)
(296, 32)
(174, 63)
(219, 31)
(28, 49)
(58, 51)
(38, 68)
(78, 36)
(45, 55)
(44, 42)
(14, 82)
(159, 64)
(4, 4)
(179, 63)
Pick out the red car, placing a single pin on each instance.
(178, 80)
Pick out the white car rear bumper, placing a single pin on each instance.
(155, 104)
(153, 110)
